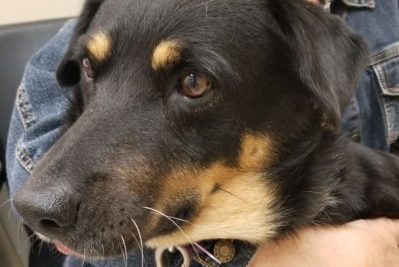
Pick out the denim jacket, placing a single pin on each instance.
(372, 118)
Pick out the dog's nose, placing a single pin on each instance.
(47, 210)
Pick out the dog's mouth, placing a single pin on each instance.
(189, 252)
(63, 249)
(195, 251)
(66, 250)
(89, 246)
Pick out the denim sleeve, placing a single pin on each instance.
(373, 116)
(39, 110)
(38, 115)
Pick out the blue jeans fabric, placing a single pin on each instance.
(373, 116)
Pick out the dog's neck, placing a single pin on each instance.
(326, 179)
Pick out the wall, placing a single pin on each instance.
(18, 11)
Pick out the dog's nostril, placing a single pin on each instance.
(50, 210)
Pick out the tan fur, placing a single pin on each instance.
(244, 212)
(99, 46)
(185, 181)
(256, 152)
(243, 207)
(167, 54)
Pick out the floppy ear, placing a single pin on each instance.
(327, 57)
(68, 72)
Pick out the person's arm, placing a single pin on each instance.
(372, 243)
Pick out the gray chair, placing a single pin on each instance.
(17, 44)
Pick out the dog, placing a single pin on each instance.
(220, 118)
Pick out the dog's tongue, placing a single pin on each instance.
(65, 250)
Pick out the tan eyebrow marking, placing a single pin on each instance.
(99, 46)
(167, 54)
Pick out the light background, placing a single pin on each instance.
(19, 11)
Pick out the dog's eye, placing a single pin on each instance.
(195, 85)
(87, 67)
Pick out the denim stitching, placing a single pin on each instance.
(383, 111)
(390, 90)
(24, 108)
(360, 3)
(388, 53)
(376, 60)
(25, 160)
(383, 81)
(390, 119)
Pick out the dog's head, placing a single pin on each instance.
(188, 109)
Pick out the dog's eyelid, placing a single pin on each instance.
(87, 67)
(195, 84)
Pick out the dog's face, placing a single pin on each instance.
(189, 108)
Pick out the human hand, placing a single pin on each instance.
(316, 2)
(365, 243)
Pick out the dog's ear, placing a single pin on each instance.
(68, 72)
(327, 57)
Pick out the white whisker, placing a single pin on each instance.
(124, 246)
(123, 253)
(181, 220)
(6, 202)
(102, 249)
(84, 256)
(28, 238)
(177, 226)
(141, 242)
(18, 231)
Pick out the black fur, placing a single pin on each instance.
(281, 68)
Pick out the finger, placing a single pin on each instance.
(316, 2)
(393, 261)
(394, 226)
(389, 225)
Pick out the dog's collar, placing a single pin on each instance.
(208, 254)
(360, 3)
(351, 3)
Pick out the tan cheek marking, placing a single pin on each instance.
(167, 54)
(256, 152)
(245, 213)
(184, 181)
(243, 209)
(202, 181)
(99, 46)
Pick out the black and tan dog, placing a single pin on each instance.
(222, 115)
